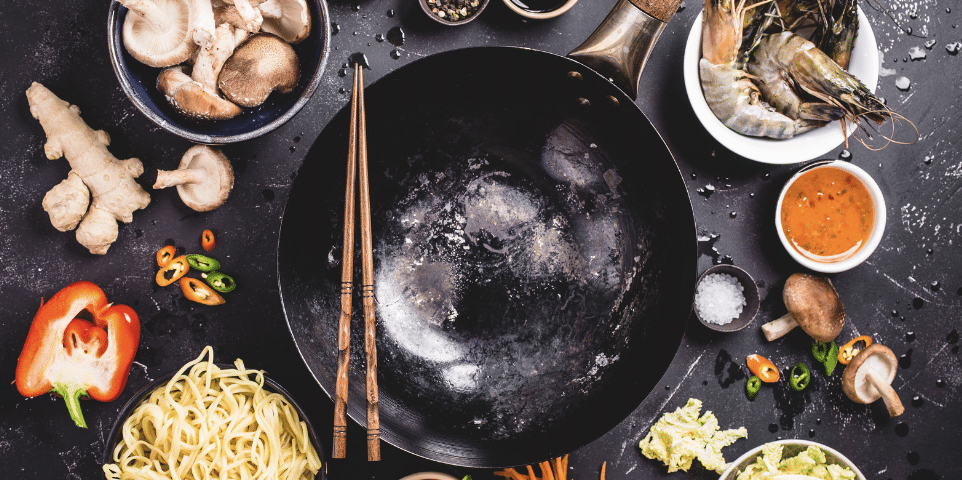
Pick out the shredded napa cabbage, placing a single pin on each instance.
(679, 437)
(811, 462)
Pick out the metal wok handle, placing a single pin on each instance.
(620, 46)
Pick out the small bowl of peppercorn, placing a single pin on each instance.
(453, 12)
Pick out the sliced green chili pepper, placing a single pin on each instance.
(799, 377)
(831, 358)
(820, 350)
(203, 263)
(752, 387)
(221, 282)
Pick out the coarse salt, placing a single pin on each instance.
(719, 298)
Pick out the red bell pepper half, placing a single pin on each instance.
(75, 357)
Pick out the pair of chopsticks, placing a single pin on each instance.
(357, 162)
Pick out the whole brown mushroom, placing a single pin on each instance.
(869, 376)
(262, 64)
(204, 178)
(812, 304)
(196, 95)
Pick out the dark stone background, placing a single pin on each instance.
(908, 295)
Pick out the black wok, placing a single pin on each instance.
(534, 250)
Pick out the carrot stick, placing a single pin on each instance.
(546, 471)
(510, 473)
(603, 464)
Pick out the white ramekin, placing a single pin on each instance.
(878, 228)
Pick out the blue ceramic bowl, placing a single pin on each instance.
(139, 83)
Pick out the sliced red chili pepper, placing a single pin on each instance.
(207, 240)
(197, 291)
(851, 349)
(762, 368)
(165, 255)
(174, 270)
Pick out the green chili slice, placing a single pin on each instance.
(203, 263)
(831, 358)
(221, 282)
(752, 387)
(820, 350)
(799, 377)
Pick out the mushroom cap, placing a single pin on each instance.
(160, 47)
(262, 64)
(815, 306)
(217, 179)
(289, 19)
(191, 98)
(875, 358)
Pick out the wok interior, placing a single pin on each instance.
(534, 257)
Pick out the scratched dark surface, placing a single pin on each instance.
(908, 295)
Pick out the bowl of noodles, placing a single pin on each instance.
(210, 420)
(864, 65)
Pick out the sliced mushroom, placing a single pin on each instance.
(812, 304)
(196, 95)
(157, 32)
(264, 63)
(288, 19)
(204, 178)
(869, 376)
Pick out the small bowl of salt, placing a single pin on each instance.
(726, 298)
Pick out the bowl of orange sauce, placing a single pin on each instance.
(830, 216)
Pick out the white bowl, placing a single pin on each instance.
(790, 448)
(807, 146)
(429, 476)
(878, 228)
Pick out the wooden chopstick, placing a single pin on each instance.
(367, 280)
(347, 286)
(357, 161)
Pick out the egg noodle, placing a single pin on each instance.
(213, 423)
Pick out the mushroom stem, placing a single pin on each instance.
(892, 401)
(202, 28)
(166, 178)
(211, 58)
(151, 13)
(779, 327)
(250, 16)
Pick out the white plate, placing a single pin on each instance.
(807, 146)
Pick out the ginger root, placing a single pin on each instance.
(97, 178)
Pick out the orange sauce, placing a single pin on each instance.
(827, 214)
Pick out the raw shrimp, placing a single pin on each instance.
(789, 58)
(837, 37)
(728, 89)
